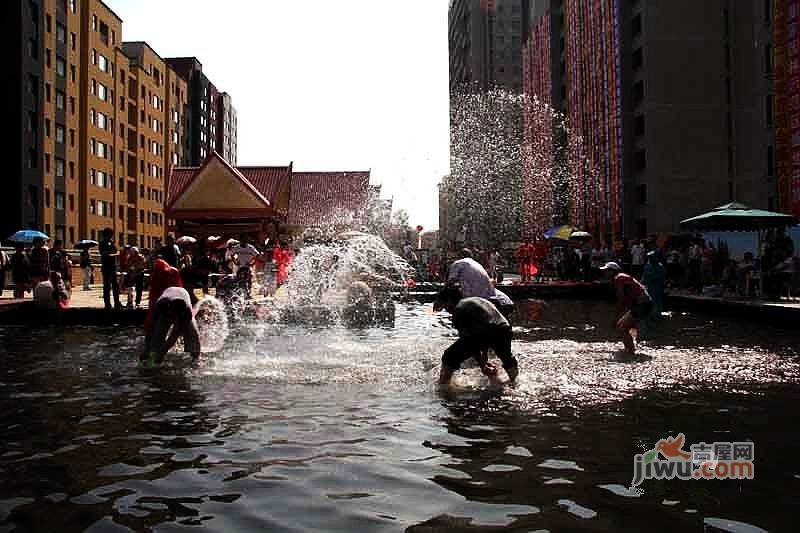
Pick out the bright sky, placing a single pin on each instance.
(328, 84)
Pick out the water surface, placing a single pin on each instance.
(298, 429)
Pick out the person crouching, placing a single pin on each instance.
(172, 310)
(480, 327)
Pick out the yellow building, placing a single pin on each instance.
(102, 122)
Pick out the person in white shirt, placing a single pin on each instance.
(472, 277)
(245, 254)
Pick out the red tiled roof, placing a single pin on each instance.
(269, 181)
(323, 197)
(178, 178)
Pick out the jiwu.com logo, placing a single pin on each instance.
(717, 460)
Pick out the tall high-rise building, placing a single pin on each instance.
(97, 124)
(226, 128)
(485, 40)
(212, 119)
(667, 115)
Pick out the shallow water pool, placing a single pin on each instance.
(299, 429)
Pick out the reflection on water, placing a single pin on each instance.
(295, 429)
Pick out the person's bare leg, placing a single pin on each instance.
(625, 324)
(445, 374)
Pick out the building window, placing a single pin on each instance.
(72, 40)
(641, 194)
(72, 202)
(92, 208)
(47, 127)
(94, 22)
(47, 197)
(73, 5)
(770, 161)
(59, 167)
(33, 85)
(47, 57)
(641, 228)
(638, 91)
(71, 137)
(33, 49)
(48, 23)
(638, 128)
(71, 170)
(72, 105)
(637, 58)
(59, 133)
(61, 100)
(102, 92)
(33, 158)
(72, 234)
(61, 33)
(60, 201)
(768, 59)
(101, 121)
(61, 67)
(769, 104)
(72, 73)
(636, 25)
(641, 160)
(102, 63)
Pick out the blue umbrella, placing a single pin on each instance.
(26, 236)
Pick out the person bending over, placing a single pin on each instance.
(172, 310)
(633, 303)
(480, 327)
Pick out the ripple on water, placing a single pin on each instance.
(337, 429)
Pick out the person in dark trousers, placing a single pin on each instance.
(480, 327)
(172, 310)
(20, 267)
(170, 251)
(108, 266)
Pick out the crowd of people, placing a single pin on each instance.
(691, 264)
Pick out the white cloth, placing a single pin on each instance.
(246, 254)
(502, 298)
(637, 254)
(43, 295)
(472, 277)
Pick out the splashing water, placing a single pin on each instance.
(212, 323)
(322, 274)
(513, 159)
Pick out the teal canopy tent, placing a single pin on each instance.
(738, 217)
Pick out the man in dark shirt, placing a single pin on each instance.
(480, 327)
(108, 265)
(170, 252)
